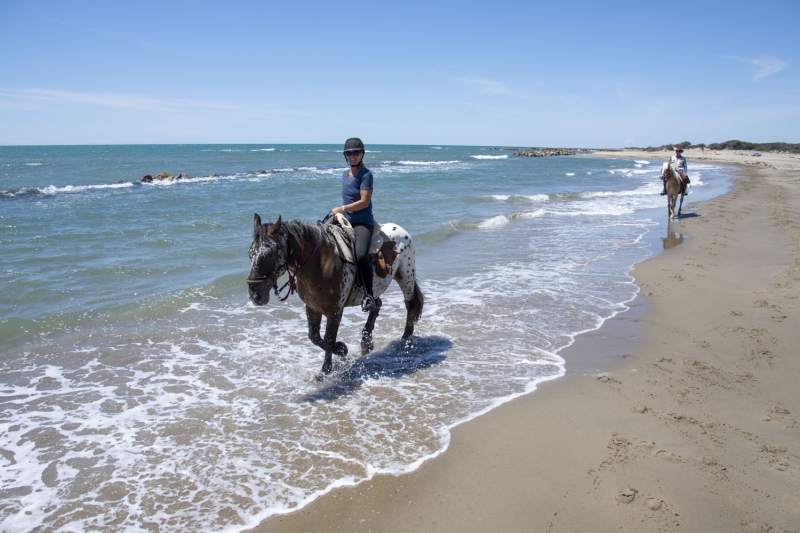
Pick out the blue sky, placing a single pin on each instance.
(580, 74)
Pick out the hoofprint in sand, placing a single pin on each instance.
(696, 429)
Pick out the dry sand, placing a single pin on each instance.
(692, 428)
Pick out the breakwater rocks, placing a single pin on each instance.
(546, 152)
(164, 176)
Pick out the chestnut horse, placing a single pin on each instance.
(325, 283)
(674, 186)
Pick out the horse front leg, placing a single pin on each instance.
(314, 325)
(330, 344)
(680, 206)
(366, 334)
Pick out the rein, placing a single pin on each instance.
(292, 283)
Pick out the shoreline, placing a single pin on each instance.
(691, 426)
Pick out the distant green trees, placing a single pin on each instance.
(731, 145)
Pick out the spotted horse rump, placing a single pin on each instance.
(325, 282)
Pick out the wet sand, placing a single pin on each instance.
(692, 424)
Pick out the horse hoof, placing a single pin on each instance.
(340, 349)
(319, 378)
(366, 348)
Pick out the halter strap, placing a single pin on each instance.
(292, 283)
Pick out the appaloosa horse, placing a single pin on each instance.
(674, 186)
(325, 283)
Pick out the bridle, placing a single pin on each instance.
(292, 283)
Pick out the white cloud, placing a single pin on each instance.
(27, 99)
(766, 65)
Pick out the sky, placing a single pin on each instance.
(504, 73)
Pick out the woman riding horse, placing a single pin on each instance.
(357, 208)
(681, 167)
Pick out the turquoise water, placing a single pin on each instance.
(133, 369)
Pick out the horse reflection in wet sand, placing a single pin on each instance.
(671, 240)
(325, 283)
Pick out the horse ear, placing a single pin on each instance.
(275, 228)
(256, 222)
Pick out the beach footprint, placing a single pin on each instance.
(654, 504)
(626, 495)
(780, 466)
(667, 456)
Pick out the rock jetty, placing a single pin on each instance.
(546, 152)
(164, 176)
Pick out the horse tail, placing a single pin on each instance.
(415, 306)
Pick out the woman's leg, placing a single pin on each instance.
(363, 237)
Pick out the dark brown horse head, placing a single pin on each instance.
(268, 257)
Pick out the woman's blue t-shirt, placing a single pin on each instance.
(351, 192)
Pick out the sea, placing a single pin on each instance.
(140, 390)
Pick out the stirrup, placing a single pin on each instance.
(370, 303)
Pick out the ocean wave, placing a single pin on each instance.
(494, 222)
(263, 150)
(639, 191)
(522, 197)
(569, 174)
(52, 190)
(426, 162)
(490, 156)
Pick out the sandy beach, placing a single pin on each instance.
(679, 415)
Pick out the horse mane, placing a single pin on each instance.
(304, 231)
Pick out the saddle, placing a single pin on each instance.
(670, 167)
(382, 248)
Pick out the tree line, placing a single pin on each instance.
(730, 145)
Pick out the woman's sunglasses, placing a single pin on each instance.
(348, 153)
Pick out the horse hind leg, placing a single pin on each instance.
(414, 306)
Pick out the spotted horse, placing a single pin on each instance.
(324, 281)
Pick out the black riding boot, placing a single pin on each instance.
(363, 236)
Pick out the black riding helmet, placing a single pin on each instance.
(353, 143)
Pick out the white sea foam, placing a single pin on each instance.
(494, 222)
(33, 164)
(73, 189)
(263, 150)
(505, 156)
(522, 197)
(426, 162)
(569, 174)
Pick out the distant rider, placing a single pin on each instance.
(357, 208)
(680, 165)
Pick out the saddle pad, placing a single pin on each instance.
(343, 246)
